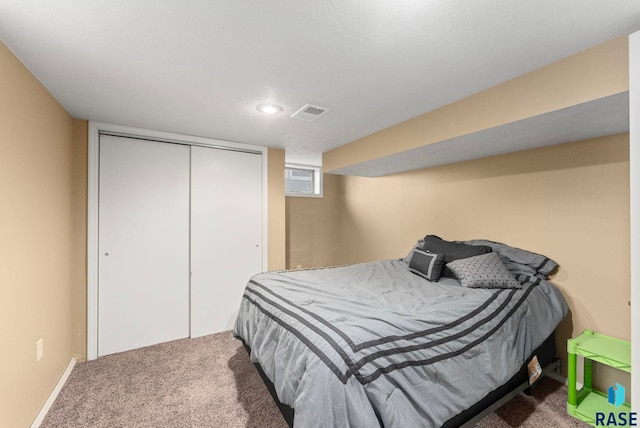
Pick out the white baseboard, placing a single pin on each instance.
(54, 394)
(563, 380)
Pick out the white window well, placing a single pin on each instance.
(302, 180)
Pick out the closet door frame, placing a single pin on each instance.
(97, 128)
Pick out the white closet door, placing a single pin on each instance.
(226, 237)
(143, 279)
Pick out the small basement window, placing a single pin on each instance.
(302, 180)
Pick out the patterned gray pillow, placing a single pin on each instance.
(483, 271)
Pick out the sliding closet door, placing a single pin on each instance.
(143, 279)
(226, 222)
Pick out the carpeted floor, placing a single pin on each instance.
(210, 382)
(203, 382)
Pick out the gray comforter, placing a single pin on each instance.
(373, 344)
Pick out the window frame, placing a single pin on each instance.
(317, 180)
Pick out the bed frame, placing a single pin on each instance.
(546, 354)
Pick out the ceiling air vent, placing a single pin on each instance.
(310, 112)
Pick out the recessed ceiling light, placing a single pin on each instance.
(268, 108)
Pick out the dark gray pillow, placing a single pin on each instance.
(452, 251)
(427, 265)
(518, 260)
(483, 271)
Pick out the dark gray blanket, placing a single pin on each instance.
(373, 344)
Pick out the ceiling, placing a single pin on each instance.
(200, 67)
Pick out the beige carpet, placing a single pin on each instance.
(210, 382)
(203, 382)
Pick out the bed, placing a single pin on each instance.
(381, 344)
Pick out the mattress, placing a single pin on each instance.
(372, 344)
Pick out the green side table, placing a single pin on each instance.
(584, 404)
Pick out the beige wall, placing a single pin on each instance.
(79, 239)
(276, 211)
(37, 240)
(312, 232)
